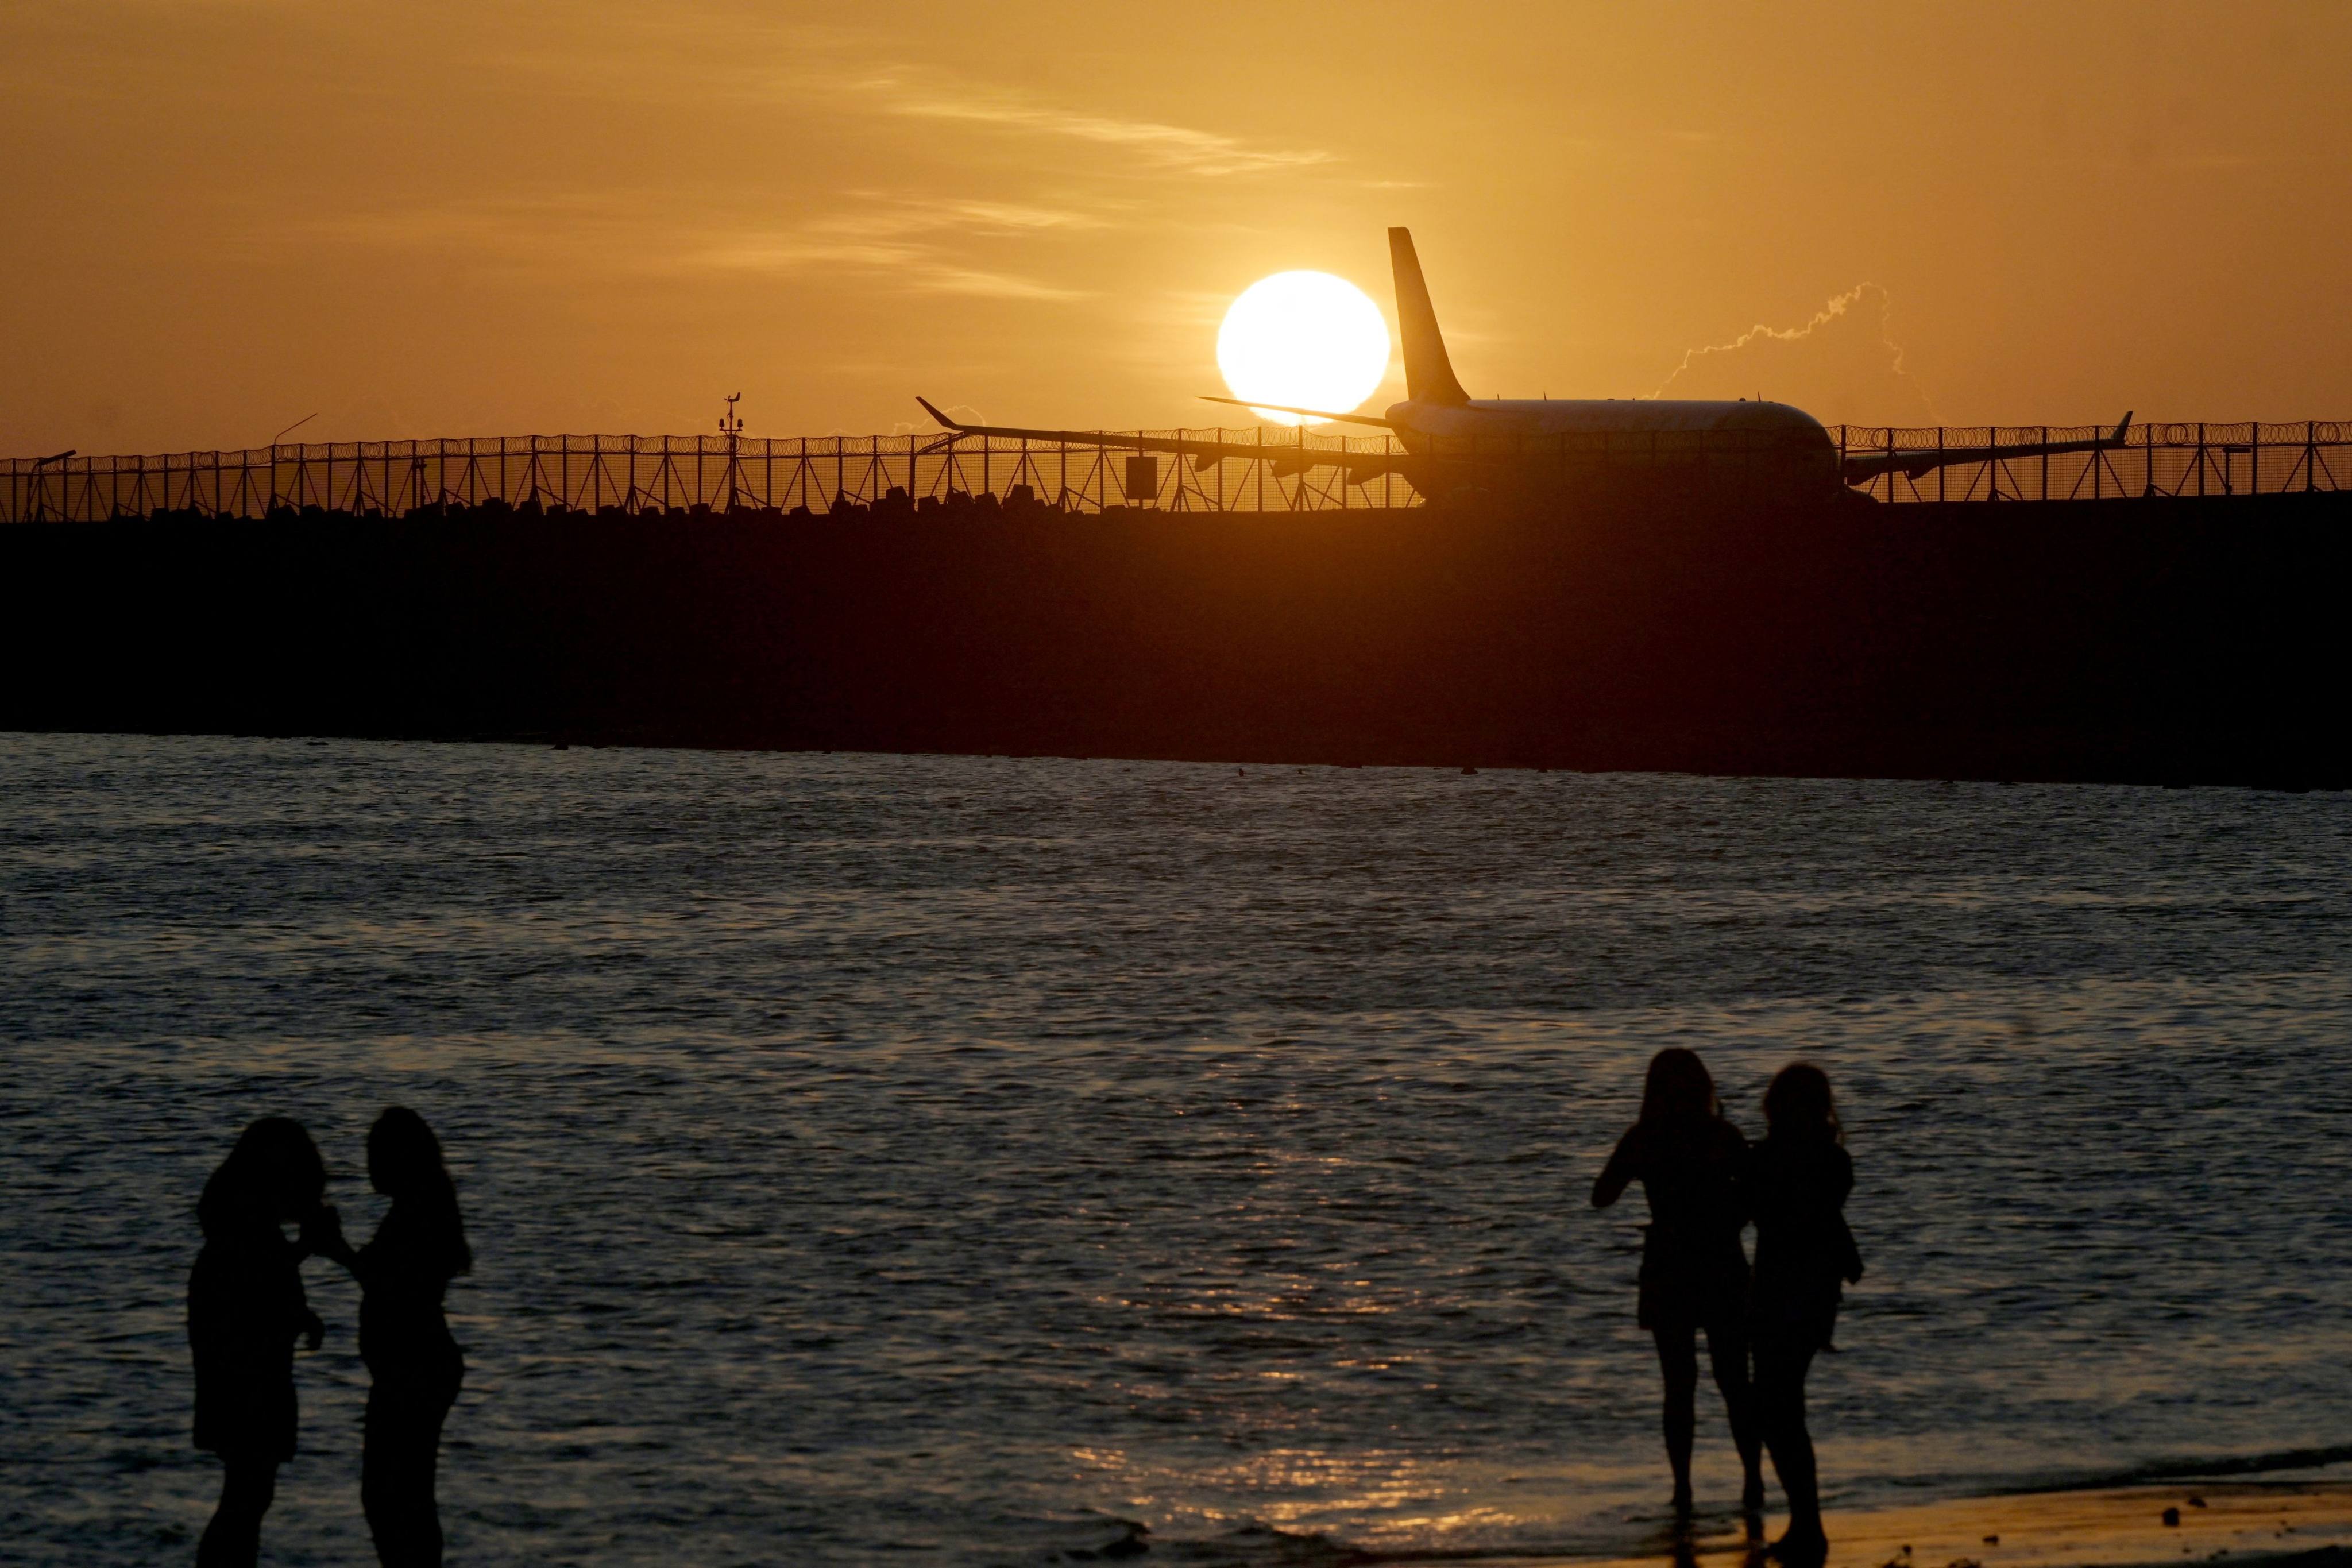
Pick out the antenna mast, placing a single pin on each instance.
(730, 425)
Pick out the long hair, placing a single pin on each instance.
(1798, 1106)
(273, 1173)
(1678, 1085)
(404, 1158)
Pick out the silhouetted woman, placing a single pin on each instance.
(415, 1365)
(1797, 1179)
(245, 1307)
(1694, 1275)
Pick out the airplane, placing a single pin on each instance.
(1453, 440)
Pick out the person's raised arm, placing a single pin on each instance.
(1616, 1175)
(322, 1233)
(301, 1320)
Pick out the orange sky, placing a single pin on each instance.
(222, 215)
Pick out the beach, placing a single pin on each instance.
(2300, 1518)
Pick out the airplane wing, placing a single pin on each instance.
(1914, 462)
(1205, 454)
(1310, 413)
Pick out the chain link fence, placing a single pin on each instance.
(1285, 470)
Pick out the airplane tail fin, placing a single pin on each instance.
(1428, 374)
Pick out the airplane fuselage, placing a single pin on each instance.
(1618, 431)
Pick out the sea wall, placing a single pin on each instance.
(2154, 640)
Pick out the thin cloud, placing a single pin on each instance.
(1180, 148)
(911, 243)
(915, 268)
(906, 240)
(1836, 307)
(504, 229)
(985, 285)
(888, 214)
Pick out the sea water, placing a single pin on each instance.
(983, 1161)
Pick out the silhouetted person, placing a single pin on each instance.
(1688, 1160)
(245, 1307)
(415, 1365)
(1796, 1182)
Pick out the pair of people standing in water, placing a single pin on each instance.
(1705, 1185)
(247, 1308)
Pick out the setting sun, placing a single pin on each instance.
(1305, 338)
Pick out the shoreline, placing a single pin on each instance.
(2306, 1520)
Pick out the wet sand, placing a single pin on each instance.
(2307, 1520)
